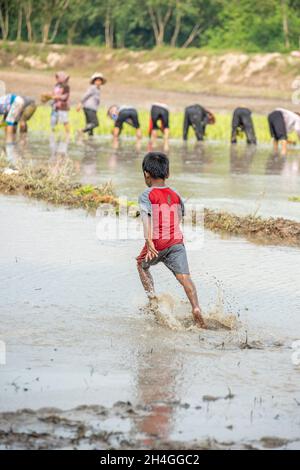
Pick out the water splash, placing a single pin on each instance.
(176, 315)
(217, 318)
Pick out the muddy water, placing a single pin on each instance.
(78, 333)
(241, 179)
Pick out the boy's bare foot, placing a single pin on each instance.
(153, 300)
(198, 318)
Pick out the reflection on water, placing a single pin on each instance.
(155, 382)
(241, 158)
(227, 177)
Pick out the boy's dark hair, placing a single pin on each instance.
(156, 164)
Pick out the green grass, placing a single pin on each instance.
(40, 122)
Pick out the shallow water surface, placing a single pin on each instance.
(77, 332)
(243, 179)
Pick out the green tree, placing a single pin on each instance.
(160, 13)
(251, 25)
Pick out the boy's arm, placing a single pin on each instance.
(146, 210)
(152, 252)
(181, 209)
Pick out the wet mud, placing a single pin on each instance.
(91, 428)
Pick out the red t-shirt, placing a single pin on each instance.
(166, 208)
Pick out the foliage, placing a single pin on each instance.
(251, 25)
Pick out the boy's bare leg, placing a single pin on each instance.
(275, 145)
(147, 280)
(191, 292)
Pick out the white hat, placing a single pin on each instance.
(98, 75)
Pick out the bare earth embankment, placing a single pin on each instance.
(180, 77)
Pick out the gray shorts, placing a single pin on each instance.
(174, 258)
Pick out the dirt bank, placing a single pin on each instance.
(219, 81)
(40, 184)
(273, 230)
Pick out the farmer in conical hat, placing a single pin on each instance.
(90, 102)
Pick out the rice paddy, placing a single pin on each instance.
(221, 131)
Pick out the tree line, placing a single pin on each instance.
(251, 25)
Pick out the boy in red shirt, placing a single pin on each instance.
(162, 210)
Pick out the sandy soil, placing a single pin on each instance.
(33, 83)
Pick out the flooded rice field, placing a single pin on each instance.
(240, 179)
(90, 365)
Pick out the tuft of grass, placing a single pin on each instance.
(40, 183)
(294, 198)
(83, 190)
